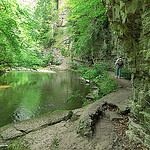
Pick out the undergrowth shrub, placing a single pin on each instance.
(73, 66)
(98, 74)
(74, 96)
(106, 85)
(125, 73)
(93, 72)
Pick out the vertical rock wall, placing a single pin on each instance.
(61, 44)
(130, 22)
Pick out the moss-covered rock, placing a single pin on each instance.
(129, 20)
(86, 122)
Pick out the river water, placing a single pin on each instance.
(24, 95)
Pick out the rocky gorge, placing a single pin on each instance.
(130, 21)
(129, 35)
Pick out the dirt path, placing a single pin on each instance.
(99, 126)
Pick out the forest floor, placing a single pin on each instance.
(108, 117)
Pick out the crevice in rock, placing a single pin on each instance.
(115, 107)
(87, 121)
(23, 132)
(3, 146)
(53, 123)
(63, 119)
(109, 106)
(95, 118)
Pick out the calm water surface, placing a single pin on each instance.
(32, 94)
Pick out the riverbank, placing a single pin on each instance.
(102, 125)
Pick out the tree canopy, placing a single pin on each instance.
(23, 31)
(17, 36)
(86, 19)
(46, 14)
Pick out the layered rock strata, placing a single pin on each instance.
(130, 22)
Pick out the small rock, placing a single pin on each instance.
(92, 95)
(3, 146)
(9, 132)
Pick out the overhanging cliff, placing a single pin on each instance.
(130, 21)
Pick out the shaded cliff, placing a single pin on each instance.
(130, 21)
(127, 33)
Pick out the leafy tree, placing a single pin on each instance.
(9, 33)
(46, 14)
(86, 19)
(17, 36)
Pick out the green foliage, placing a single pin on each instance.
(56, 63)
(73, 66)
(55, 143)
(64, 52)
(46, 16)
(98, 74)
(17, 36)
(85, 21)
(94, 73)
(16, 146)
(125, 73)
(106, 84)
(73, 97)
(9, 34)
(47, 59)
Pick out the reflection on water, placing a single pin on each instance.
(32, 94)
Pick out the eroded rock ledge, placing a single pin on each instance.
(95, 111)
(27, 133)
(130, 25)
(12, 131)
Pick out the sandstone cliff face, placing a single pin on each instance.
(130, 21)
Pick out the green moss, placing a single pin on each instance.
(15, 145)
